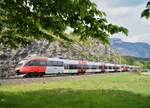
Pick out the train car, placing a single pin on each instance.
(134, 68)
(94, 67)
(81, 67)
(75, 66)
(117, 68)
(41, 66)
(109, 67)
(124, 68)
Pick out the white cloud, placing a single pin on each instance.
(127, 16)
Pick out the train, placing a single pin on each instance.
(39, 66)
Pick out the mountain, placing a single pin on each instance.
(138, 49)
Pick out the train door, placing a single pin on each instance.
(125, 68)
(70, 66)
(103, 68)
(66, 68)
(54, 67)
(119, 69)
(82, 66)
(110, 68)
(116, 68)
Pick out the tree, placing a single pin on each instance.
(23, 21)
(146, 12)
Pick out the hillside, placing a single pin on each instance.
(143, 62)
(138, 49)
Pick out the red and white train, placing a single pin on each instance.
(34, 67)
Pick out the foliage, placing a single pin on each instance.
(23, 21)
(146, 12)
(123, 90)
(143, 63)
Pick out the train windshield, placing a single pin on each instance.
(36, 63)
(19, 64)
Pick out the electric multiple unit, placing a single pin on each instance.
(41, 66)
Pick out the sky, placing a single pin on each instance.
(127, 13)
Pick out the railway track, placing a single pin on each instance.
(47, 78)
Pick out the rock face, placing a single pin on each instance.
(138, 49)
(92, 50)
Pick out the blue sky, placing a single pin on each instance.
(126, 2)
(127, 13)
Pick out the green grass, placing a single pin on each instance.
(123, 90)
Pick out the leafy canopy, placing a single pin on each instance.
(23, 21)
(146, 12)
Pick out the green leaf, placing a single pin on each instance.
(26, 20)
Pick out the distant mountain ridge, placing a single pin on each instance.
(138, 49)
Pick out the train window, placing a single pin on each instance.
(28, 63)
(85, 66)
(38, 63)
(49, 63)
(94, 67)
(19, 64)
(54, 63)
(79, 67)
(105, 67)
(66, 66)
(75, 66)
(71, 66)
(42, 63)
(59, 63)
(118, 67)
(102, 67)
(110, 67)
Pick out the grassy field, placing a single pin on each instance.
(123, 90)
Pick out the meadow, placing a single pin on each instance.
(121, 90)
